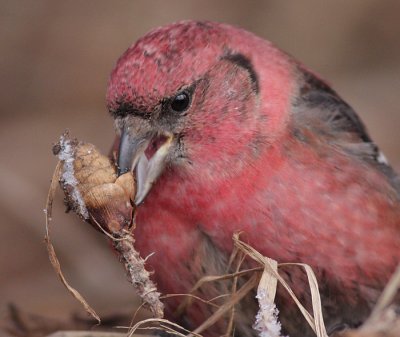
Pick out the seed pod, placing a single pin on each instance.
(91, 187)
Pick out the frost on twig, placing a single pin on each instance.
(267, 323)
(66, 154)
(139, 276)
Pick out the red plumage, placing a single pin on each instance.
(264, 147)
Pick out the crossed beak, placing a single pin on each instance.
(146, 156)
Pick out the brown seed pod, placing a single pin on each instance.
(91, 186)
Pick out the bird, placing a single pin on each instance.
(227, 133)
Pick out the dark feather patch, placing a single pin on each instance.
(242, 61)
(123, 108)
(313, 83)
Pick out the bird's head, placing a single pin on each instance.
(196, 94)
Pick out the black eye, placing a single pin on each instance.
(180, 102)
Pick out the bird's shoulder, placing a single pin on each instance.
(320, 110)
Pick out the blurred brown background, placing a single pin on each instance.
(54, 63)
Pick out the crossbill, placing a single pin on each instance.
(226, 133)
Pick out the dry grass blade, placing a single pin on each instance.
(242, 292)
(87, 334)
(250, 251)
(222, 310)
(388, 294)
(50, 248)
(163, 324)
(315, 298)
(230, 328)
(212, 278)
(268, 282)
(384, 320)
(317, 323)
(210, 302)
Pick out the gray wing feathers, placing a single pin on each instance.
(320, 108)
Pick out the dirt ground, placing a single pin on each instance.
(55, 60)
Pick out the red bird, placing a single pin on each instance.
(227, 133)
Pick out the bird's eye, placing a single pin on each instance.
(180, 102)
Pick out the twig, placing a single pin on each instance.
(138, 275)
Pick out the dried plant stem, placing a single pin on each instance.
(388, 294)
(138, 275)
(211, 278)
(210, 301)
(94, 192)
(384, 320)
(87, 334)
(124, 245)
(231, 325)
(315, 321)
(162, 324)
(235, 298)
(50, 248)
